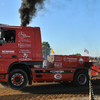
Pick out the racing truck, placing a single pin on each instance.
(18, 60)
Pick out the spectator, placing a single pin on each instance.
(44, 63)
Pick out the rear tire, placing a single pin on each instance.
(17, 79)
(81, 78)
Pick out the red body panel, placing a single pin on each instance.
(53, 74)
(59, 68)
(95, 67)
(64, 61)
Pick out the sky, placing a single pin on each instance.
(68, 26)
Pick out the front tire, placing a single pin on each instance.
(81, 78)
(17, 79)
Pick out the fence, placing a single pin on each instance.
(91, 93)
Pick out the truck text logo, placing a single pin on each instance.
(8, 51)
(57, 76)
(58, 64)
(23, 37)
(22, 45)
(25, 55)
(71, 59)
(81, 61)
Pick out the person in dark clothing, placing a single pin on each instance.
(11, 40)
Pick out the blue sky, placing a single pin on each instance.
(68, 25)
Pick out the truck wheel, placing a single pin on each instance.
(81, 78)
(5, 84)
(17, 79)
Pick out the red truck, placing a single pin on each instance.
(18, 58)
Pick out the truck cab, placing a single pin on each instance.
(22, 53)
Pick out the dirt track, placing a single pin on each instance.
(49, 91)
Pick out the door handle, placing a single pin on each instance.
(14, 56)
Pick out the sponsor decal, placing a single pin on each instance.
(58, 59)
(25, 55)
(58, 64)
(56, 71)
(71, 59)
(24, 51)
(23, 37)
(8, 51)
(22, 45)
(57, 76)
(81, 61)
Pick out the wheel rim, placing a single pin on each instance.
(82, 79)
(17, 79)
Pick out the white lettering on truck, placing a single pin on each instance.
(22, 37)
(24, 51)
(71, 59)
(58, 64)
(56, 71)
(23, 45)
(8, 51)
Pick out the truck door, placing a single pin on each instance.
(25, 45)
(8, 47)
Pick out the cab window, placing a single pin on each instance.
(1, 35)
(9, 36)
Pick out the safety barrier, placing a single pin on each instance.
(91, 93)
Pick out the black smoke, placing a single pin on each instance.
(28, 9)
